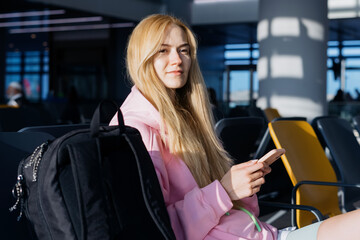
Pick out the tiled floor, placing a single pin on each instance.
(279, 219)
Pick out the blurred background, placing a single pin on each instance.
(62, 51)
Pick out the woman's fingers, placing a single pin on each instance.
(256, 190)
(258, 182)
(266, 169)
(256, 175)
(244, 180)
(244, 164)
(250, 166)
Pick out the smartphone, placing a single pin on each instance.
(272, 156)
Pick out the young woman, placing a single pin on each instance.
(206, 197)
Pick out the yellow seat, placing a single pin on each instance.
(271, 113)
(305, 160)
(7, 106)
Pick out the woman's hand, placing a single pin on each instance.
(245, 179)
(266, 169)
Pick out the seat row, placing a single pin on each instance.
(304, 163)
(322, 160)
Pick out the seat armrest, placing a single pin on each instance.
(335, 184)
(280, 205)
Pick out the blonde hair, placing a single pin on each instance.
(187, 127)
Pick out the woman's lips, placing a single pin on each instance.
(176, 72)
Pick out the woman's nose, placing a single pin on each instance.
(175, 58)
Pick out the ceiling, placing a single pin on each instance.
(339, 29)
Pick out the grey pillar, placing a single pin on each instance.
(292, 36)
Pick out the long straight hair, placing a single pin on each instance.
(188, 124)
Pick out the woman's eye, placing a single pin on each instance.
(184, 51)
(162, 51)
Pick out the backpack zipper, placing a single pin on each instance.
(18, 189)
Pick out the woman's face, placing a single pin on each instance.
(172, 62)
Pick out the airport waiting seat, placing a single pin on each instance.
(278, 185)
(316, 129)
(356, 123)
(107, 112)
(271, 114)
(256, 112)
(13, 119)
(55, 130)
(14, 146)
(314, 179)
(338, 136)
(239, 136)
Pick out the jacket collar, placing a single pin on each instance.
(136, 106)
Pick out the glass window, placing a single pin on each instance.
(13, 68)
(13, 54)
(352, 82)
(332, 85)
(333, 43)
(255, 85)
(352, 42)
(239, 87)
(351, 51)
(333, 52)
(31, 84)
(237, 46)
(255, 53)
(329, 63)
(46, 58)
(237, 62)
(32, 68)
(32, 53)
(32, 60)
(13, 60)
(11, 78)
(238, 57)
(30, 73)
(352, 62)
(237, 54)
(45, 86)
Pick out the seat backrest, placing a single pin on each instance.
(304, 160)
(13, 119)
(55, 130)
(271, 113)
(338, 135)
(316, 129)
(278, 181)
(356, 122)
(14, 146)
(239, 136)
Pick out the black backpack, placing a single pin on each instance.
(96, 183)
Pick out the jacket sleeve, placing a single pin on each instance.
(200, 210)
(251, 204)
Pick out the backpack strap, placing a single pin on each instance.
(96, 118)
(151, 190)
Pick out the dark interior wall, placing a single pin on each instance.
(2, 63)
(95, 54)
(118, 79)
(78, 62)
(211, 61)
(96, 57)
